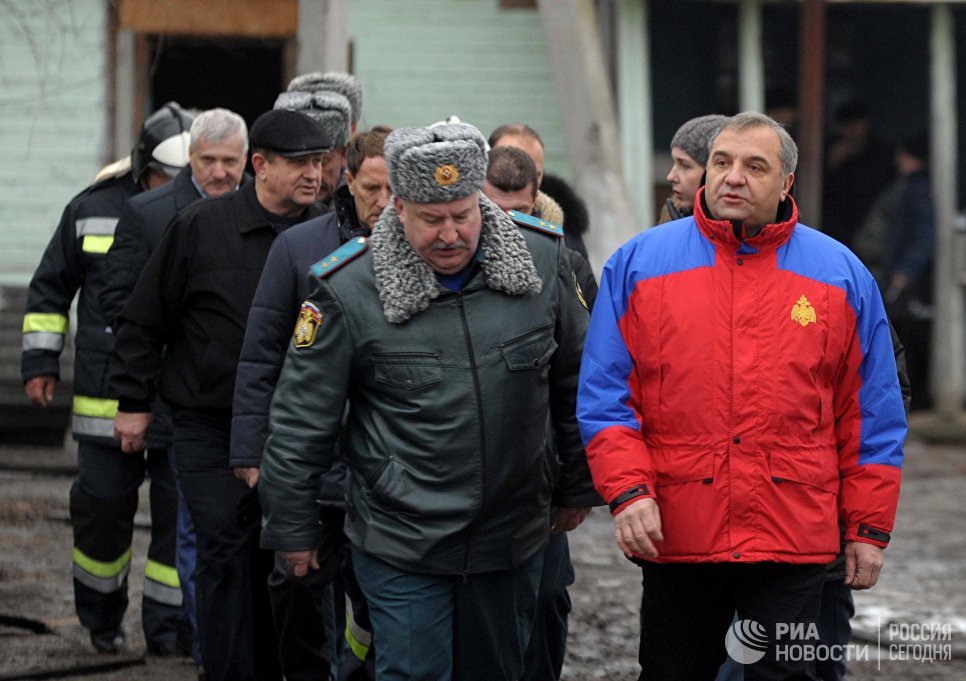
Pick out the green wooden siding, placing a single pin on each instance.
(53, 103)
(420, 61)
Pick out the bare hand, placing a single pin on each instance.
(130, 429)
(300, 561)
(637, 528)
(40, 390)
(568, 518)
(247, 475)
(862, 564)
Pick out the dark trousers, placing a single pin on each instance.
(302, 606)
(687, 609)
(834, 626)
(238, 640)
(544, 658)
(103, 501)
(442, 627)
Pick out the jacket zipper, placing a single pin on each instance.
(479, 414)
(528, 334)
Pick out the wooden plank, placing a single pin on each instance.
(247, 18)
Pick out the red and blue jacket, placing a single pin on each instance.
(749, 386)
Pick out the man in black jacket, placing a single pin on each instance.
(192, 300)
(297, 603)
(216, 164)
(104, 497)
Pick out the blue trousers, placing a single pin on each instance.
(186, 560)
(545, 655)
(438, 627)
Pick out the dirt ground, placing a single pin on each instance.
(923, 583)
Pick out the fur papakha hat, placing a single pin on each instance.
(330, 109)
(437, 164)
(345, 84)
(696, 135)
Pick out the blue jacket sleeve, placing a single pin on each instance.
(267, 333)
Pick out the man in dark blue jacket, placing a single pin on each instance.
(216, 164)
(297, 603)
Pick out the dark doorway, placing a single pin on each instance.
(238, 74)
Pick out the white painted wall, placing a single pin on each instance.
(422, 60)
(53, 108)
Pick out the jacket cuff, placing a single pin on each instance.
(580, 499)
(132, 406)
(633, 494)
(869, 535)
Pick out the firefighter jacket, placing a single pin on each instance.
(74, 260)
(749, 386)
(451, 465)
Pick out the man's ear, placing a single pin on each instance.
(258, 164)
(349, 180)
(787, 185)
(397, 202)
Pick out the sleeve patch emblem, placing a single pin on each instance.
(803, 312)
(309, 321)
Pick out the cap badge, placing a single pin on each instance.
(446, 175)
(803, 312)
(309, 321)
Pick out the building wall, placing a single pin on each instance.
(53, 104)
(420, 61)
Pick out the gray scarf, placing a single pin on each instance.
(406, 284)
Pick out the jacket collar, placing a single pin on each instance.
(251, 214)
(345, 211)
(723, 232)
(185, 192)
(406, 284)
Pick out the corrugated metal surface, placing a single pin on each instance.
(422, 60)
(53, 103)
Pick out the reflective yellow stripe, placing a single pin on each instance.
(96, 243)
(48, 322)
(358, 649)
(99, 569)
(162, 574)
(97, 407)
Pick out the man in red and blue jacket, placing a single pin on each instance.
(738, 395)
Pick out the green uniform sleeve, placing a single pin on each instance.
(575, 487)
(304, 423)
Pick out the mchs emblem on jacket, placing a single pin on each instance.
(310, 319)
(803, 312)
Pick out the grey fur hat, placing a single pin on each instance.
(345, 84)
(437, 164)
(330, 109)
(696, 135)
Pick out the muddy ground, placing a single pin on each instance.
(923, 582)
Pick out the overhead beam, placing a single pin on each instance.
(589, 123)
